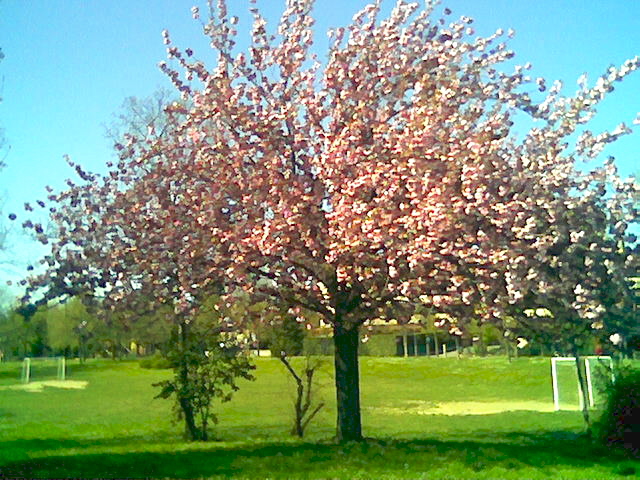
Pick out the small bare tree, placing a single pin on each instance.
(287, 338)
(304, 406)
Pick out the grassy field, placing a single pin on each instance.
(476, 418)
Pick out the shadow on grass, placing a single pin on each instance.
(50, 444)
(542, 453)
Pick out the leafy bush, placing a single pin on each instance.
(379, 345)
(318, 346)
(155, 361)
(619, 424)
(206, 365)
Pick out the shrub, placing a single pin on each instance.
(619, 423)
(379, 345)
(206, 366)
(318, 346)
(155, 361)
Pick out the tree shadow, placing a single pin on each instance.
(544, 453)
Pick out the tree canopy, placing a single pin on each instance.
(348, 186)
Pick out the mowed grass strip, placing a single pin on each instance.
(115, 428)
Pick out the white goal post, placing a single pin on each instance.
(587, 368)
(27, 368)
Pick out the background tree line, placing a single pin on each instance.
(74, 329)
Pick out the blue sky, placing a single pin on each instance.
(70, 63)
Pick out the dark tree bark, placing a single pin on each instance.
(482, 348)
(191, 429)
(346, 339)
(507, 348)
(186, 405)
(82, 350)
(583, 390)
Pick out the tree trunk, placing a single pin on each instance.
(583, 391)
(349, 426)
(482, 348)
(82, 352)
(507, 347)
(297, 427)
(190, 423)
(186, 404)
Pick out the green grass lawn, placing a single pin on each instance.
(115, 428)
